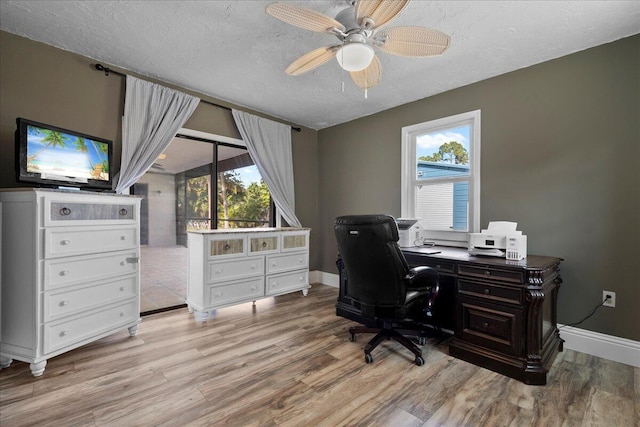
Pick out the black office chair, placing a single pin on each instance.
(378, 277)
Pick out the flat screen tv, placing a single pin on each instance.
(50, 156)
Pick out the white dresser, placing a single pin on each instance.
(70, 271)
(228, 267)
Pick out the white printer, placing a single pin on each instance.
(500, 239)
(409, 231)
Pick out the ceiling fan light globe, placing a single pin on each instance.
(355, 56)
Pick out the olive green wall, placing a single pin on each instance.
(560, 156)
(49, 85)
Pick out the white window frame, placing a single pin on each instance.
(409, 181)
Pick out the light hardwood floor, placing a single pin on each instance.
(289, 362)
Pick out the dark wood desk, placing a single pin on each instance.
(502, 313)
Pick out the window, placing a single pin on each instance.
(441, 177)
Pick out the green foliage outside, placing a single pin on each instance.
(237, 206)
(449, 152)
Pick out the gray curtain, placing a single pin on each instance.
(153, 114)
(269, 144)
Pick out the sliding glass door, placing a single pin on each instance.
(196, 184)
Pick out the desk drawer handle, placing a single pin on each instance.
(64, 273)
(65, 211)
(264, 244)
(485, 325)
(123, 212)
(63, 303)
(63, 333)
(65, 242)
(487, 273)
(487, 291)
(227, 247)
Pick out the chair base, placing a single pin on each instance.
(384, 334)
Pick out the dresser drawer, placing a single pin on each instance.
(511, 276)
(494, 327)
(64, 212)
(233, 292)
(63, 303)
(235, 269)
(60, 272)
(75, 241)
(277, 284)
(226, 247)
(280, 263)
(491, 292)
(62, 334)
(264, 244)
(294, 241)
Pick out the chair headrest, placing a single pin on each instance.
(383, 223)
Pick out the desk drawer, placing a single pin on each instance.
(74, 241)
(493, 327)
(440, 266)
(491, 292)
(491, 273)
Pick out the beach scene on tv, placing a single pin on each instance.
(55, 153)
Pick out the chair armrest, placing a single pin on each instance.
(421, 277)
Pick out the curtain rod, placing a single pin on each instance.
(108, 71)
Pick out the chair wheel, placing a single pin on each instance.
(352, 338)
(419, 361)
(368, 358)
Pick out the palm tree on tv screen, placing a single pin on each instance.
(52, 138)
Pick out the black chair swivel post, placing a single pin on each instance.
(390, 294)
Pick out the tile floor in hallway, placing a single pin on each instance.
(163, 276)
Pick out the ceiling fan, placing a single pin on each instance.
(359, 30)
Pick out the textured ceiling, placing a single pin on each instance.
(234, 51)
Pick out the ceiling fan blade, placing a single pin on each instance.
(370, 76)
(412, 41)
(379, 11)
(311, 60)
(303, 17)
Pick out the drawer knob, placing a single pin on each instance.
(123, 211)
(123, 262)
(121, 314)
(273, 264)
(64, 273)
(487, 291)
(65, 211)
(254, 287)
(301, 278)
(485, 325)
(123, 237)
(218, 295)
(63, 333)
(227, 247)
(487, 273)
(438, 266)
(121, 288)
(264, 244)
(218, 271)
(274, 285)
(65, 242)
(253, 266)
(63, 303)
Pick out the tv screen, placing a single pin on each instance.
(52, 156)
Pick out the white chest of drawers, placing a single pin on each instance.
(228, 267)
(71, 275)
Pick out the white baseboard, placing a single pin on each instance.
(606, 346)
(328, 279)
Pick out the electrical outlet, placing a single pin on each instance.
(611, 301)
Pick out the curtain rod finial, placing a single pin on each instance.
(101, 67)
